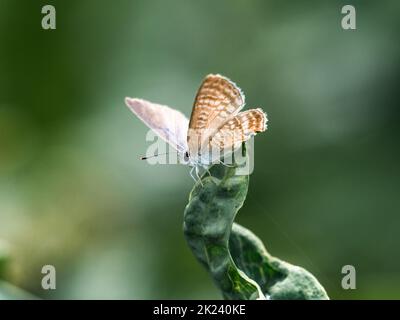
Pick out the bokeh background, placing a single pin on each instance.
(73, 194)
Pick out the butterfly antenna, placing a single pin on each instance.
(153, 156)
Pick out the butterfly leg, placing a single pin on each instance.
(208, 171)
(226, 165)
(198, 176)
(191, 174)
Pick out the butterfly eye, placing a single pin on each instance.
(186, 156)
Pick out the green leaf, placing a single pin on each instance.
(236, 259)
(208, 220)
(277, 279)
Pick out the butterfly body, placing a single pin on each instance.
(216, 126)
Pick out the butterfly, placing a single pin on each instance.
(216, 122)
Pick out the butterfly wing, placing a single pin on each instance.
(217, 100)
(238, 129)
(169, 124)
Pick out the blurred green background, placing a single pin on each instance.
(73, 194)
